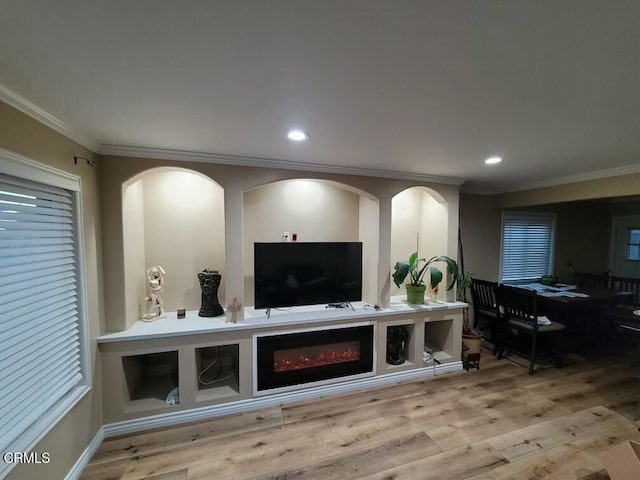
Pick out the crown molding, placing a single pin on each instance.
(188, 156)
(25, 106)
(580, 177)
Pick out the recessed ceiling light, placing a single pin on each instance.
(298, 135)
(493, 160)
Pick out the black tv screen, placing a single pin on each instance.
(307, 273)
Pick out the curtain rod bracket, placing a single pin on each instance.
(88, 161)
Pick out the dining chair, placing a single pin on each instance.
(484, 295)
(627, 284)
(519, 318)
(591, 280)
(622, 317)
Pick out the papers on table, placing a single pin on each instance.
(542, 320)
(564, 294)
(557, 290)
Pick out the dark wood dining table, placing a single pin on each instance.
(580, 310)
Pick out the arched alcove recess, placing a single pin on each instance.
(419, 220)
(318, 211)
(173, 217)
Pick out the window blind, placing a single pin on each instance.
(40, 358)
(527, 246)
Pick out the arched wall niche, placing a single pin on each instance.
(419, 220)
(173, 217)
(317, 210)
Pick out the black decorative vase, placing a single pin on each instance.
(209, 284)
(396, 341)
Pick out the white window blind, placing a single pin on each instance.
(527, 246)
(40, 357)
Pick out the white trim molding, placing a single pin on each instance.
(580, 177)
(206, 413)
(25, 106)
(18, 165)
(87, 454)
(188, 156)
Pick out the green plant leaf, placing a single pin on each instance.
(400, 272)
(436, 276)
(452, 267)
(413, 261)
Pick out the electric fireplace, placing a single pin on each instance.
(288, 359)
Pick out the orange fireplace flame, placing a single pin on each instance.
(286, 360)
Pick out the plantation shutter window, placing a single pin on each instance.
(40, 308)
(527, 246)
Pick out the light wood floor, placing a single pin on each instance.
(495, 423)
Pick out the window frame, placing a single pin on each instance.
(631, 244)
(552, 217)
(25, 168)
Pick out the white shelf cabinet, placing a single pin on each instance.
(141, 366)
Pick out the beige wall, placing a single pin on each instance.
(582, 236)
(417, 222)
(182, 221)
(611, 187)
(368, 234)
(317, 211)
(236, 180)
(621, 207)
(480, 229)
(133, 239)
(69, 438)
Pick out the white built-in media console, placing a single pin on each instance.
(179, 370)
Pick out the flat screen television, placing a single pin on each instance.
(291, 274)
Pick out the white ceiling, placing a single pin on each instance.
(426, 87)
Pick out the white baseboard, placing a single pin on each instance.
(212, 411)
(86, 456)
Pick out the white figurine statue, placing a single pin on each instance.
(155, 276)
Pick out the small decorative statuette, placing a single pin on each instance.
(155, 309)
(209, 284)
(181, 312)
(233, 309)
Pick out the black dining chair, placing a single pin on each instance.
(484, 295)
(520, 327)
(591, 280)
(621, 316)
(627, 284)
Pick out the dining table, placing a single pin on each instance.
(580, 310)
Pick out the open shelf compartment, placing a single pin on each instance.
(438, 337)
(150, 379)
(405, 332)
(217, 372)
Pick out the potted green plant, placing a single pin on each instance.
(471, 338)
(416, 268)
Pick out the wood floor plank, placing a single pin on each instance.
(494, 423)
(177, 475)
(490, 424)
(159, 440)
(365, 461)
(551, 433)
(213, 450)
(105, 471)
(457, 464)
(627, 406)
(559, 463)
